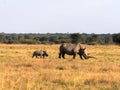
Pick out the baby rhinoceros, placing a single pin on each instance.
(40, 53)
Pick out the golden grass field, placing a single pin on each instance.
(19, 71)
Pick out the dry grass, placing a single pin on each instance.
(19, 71)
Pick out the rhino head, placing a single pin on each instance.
(45, 53)
(82, 53)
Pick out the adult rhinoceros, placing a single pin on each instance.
(71, 49)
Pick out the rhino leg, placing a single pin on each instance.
(74, 56)
(63, 55)
(36, 56)
(81, 56)
(59, 55)
(43, 56)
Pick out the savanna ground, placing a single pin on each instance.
(19, 71)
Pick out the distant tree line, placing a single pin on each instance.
(57, 38)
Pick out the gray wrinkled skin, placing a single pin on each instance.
(40, 53)
(71, 49)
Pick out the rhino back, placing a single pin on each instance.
(71, 48)
(36, 52)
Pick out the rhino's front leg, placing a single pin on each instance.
(36, 56)
(81, 56)
(74, 56)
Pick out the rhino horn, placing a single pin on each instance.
(88, 56)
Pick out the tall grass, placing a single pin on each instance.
(19, 71)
